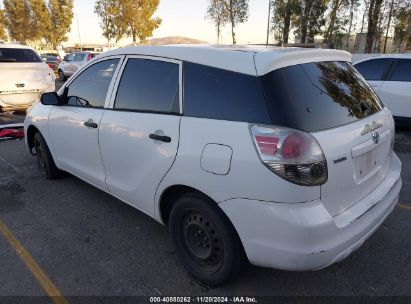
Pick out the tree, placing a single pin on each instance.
(353, 4)
(17, 17)
(39, 19)
(283, 11)
(61, 16)
(373, 17)
(308, 5)
(108, 11)
(135, 19)
(335, 6)
(218, 14)
(402, 25)
(309, 18)
(3, 34)
(237, 13)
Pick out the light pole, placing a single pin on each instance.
(79, 36)
(268, 22)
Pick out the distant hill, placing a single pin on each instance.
(173, 40)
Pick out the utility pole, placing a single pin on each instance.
(268, 22)
(388, 26)
(79, 36)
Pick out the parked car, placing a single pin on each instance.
(24, 76)
(52, 61)
(390, 77)
(282, 157)
(73, 62)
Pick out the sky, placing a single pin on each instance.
(179, 18)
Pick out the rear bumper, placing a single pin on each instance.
(22, 100)
(304, 236)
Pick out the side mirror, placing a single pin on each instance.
(50, 99)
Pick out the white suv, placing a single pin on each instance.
(282, 157)
(24, 76)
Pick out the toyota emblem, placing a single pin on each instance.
(375, 137)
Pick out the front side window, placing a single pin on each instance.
(149, 85)
(18, 55)
(402, 70)
(318, 96)
(90, 88)
(374, 69)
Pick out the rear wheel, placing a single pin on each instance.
(62, 77)
(44, 158)
(205, 240)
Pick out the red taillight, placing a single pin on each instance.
(50, 65)
(267, 144)
(293, 155)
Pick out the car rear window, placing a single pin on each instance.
(318, 96)
(18, 55)
(220, 94)
(374, 69)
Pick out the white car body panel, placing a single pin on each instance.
(396, 95)
(22, 83)
(363, 169)
(134, 163)
(280, 224)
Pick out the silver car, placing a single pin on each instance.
(73, 62)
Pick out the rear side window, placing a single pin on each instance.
(219, 94)
(149, 85)
(90, 88)
(402, 70)
(79, 57)
(19, 55)
(318, 96)
(374, 69)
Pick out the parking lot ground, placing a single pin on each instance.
(89, 243)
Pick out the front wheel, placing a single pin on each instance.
(205, 240)
(44, 158)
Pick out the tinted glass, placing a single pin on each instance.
(374, 69)
(402, 70)
(18, 55)
(219, 94)
(90, 87)
(318, 96)
(149, 85)
(52, 58)
(79, 57)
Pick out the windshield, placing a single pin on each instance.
(18, 55)
(318, 96)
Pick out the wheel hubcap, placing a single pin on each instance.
(202, 241)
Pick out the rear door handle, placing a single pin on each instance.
(166, 139)
(91, 124)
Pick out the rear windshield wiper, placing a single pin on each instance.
(7, 59)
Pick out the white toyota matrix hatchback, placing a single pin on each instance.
(280, 157)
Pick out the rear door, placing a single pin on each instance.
(74, 126)
(396, 90)
(139, 136)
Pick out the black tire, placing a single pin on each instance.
(44, 158)
(62, 77)
(205, 240)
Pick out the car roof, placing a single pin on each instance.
(246, 59)
(357, 58)
(14, 46)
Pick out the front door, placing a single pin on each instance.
(74, 126)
